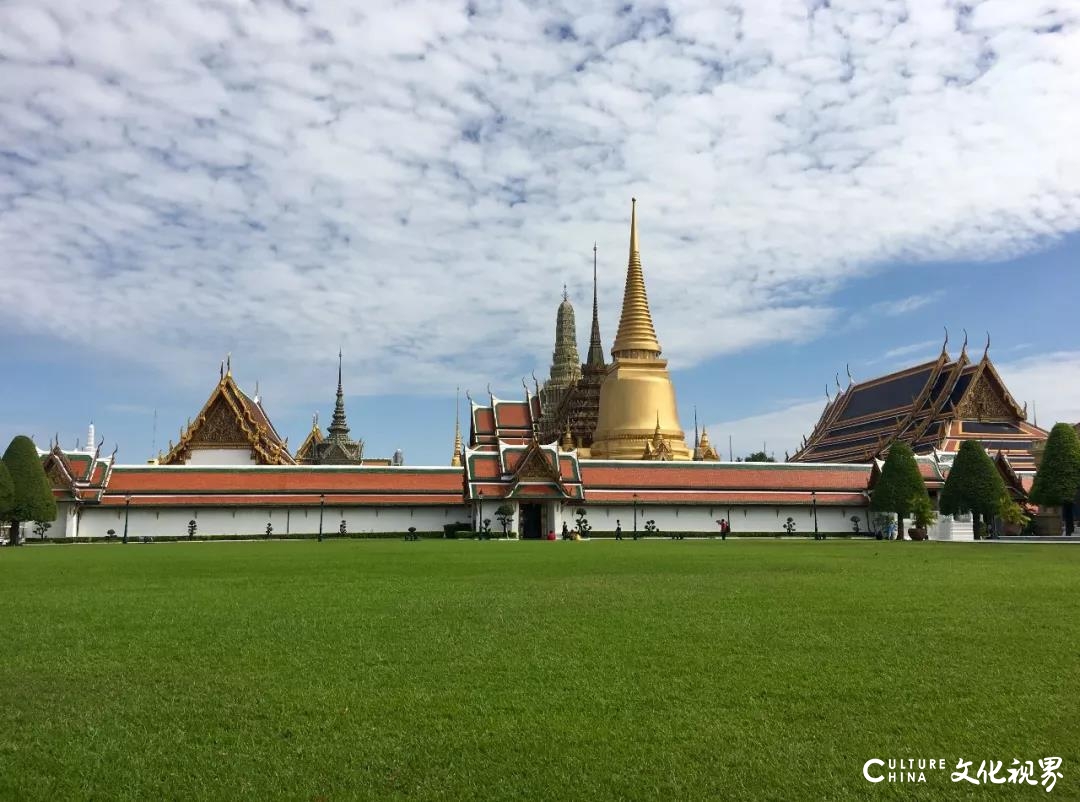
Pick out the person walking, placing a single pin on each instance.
(565, 531)
(723, 528)
(618, 530)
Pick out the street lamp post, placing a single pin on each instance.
(635, 515)
(813, 498)
(480, 520)
(127, 509)
(322, 508)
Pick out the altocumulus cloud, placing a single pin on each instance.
(417, 179)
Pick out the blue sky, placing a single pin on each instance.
(818, 186)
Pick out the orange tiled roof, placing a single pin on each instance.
(722, 497)
(283, 499)
(598, 475)
(357, 482)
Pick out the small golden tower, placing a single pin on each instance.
(455, 461)
(637, 399)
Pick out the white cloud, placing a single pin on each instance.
(1047, 383)
(777, 431)
(416, 180)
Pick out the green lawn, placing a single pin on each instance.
(458, 669)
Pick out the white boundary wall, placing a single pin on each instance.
(248, 521)
(173, 521)
(698, 518)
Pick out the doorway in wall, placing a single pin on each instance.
(532, 521)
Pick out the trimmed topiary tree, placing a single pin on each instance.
(7, 494)
(900, 486)
(505, 514)
(33, 494)
(1058, 478)
(973, 485)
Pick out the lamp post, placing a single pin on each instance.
(480, 520)
(127, 509)
(322, 507)
(635, 515)
(813, 499)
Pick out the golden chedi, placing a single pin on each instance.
(637, 398)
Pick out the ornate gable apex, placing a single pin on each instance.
(987, 398)
(232, 420)
(536, 464)
(307, 450)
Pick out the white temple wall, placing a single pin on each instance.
(225, 521)
(249, 521)
(745, 518)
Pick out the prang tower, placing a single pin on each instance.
(638, 416)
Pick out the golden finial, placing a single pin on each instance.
(455, 461)
(986, 351)
(636, 337)
(228, 364)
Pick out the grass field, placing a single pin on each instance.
(634, 670)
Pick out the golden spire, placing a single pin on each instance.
(636, 338)
(455, 461)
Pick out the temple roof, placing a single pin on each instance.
(283, 485)
(723, 483)
(231, 419)
(76, 474)
(522, 469)
(503, 420)
(931, 406)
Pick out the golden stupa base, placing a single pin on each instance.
(638, 417)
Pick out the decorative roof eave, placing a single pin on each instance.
(1012, 480)
(56, 457)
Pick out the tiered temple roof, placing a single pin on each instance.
(933, 406)
(580, 407)
(565, 369)
(77, 475)
(505, 459)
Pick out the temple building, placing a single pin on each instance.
(638, 417)
(336, 448)
(933, 407)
